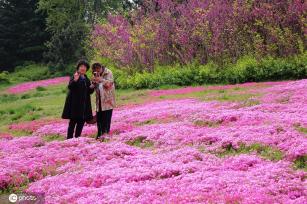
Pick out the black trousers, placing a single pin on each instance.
(75, 124)
(104, 122)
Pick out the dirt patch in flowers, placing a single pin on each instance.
(160, 120)
(141, 141)
(301, 162)
(264, 151)
(300, 128)
(202, 123)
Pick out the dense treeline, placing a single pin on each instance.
(22, 33)
(50, 31)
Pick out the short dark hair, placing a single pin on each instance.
(83, 62)
(96, 65)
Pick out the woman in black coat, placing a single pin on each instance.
(77, 106)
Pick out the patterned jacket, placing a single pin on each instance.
(106, 90)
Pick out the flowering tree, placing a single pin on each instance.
(168, 31)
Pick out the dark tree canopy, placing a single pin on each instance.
(51, 31)
(22, 33)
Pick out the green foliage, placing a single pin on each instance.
(249, 69)
(69, 22)
(41, 88)
(50, 138)
(236, 73)
(10, 188)
(146, 122)
(163, 75)
(141, 142)
(66, 46)
(300, 162)
(65, 22)
(98, 10)
(300, 128)
(24, 112)
(208, 74)
(264, 151)
(31, 105)
(31, 72)
(23, 33)
(4, 77)
(246, 69)
(8, 98)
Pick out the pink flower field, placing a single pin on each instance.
(183, 150)
(27, 86)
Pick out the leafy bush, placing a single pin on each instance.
(4, 77)
(268, 69)
(31, 72)
(163, 75)
(208, 74)
(237, 73)
(246, 69)
(68, 70)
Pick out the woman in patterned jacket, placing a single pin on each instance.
(105, 98)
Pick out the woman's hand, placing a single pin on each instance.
(95, 80)
(98, 79)
(92, 86)
(76, 76)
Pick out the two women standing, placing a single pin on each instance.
(78, 107)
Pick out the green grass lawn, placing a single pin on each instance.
(48, 102)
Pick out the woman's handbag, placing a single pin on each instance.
(93, 120)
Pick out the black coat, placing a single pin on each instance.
(78, 101)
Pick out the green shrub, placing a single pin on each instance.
(4, 77)
(67, 70)
(208, 74)
(246, 69)
(238, 73)
(32, 72)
